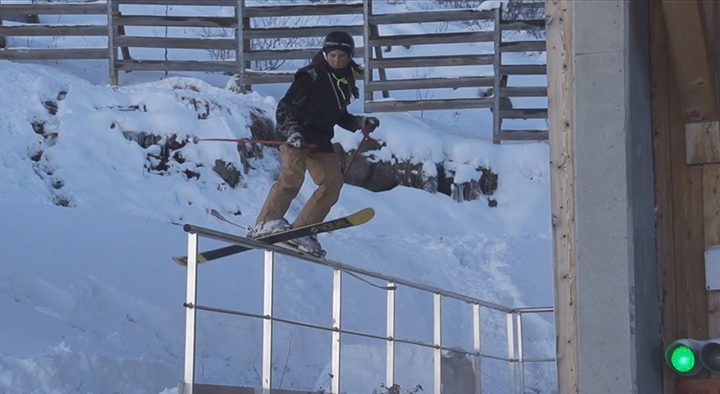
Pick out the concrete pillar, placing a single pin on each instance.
(616, 314)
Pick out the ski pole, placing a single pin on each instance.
(366, 137)
(247, 141)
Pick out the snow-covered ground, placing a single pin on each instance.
(92, 303)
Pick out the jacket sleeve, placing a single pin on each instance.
(349, 122)
(291, 110)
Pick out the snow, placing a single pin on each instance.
(92, 302)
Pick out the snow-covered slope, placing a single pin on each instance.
(92, 303)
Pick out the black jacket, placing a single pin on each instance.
(314, 104)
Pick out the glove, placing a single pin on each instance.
(295, 140)
(368, 124)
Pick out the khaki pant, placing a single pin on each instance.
(324, 168)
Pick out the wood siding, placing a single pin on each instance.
(688, 208)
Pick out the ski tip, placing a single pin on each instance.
(361, 216)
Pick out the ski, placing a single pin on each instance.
(285, 244)
(355, 219)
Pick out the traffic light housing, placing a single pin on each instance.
(688, 357)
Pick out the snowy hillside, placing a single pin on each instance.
(90, 217)
(92, 286)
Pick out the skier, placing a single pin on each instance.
(316, 101)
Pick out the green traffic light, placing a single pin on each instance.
(682, 359)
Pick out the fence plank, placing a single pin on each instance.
(255, 77)
(54, 30)
(175, 21)
(216, 3)
(431, 83)
(53, 53)
(304, 10)
(523, 91)
(432, 61)
(439, 38)
(430, 16)
(367, 53)
(112, 12)
(524, 113)
(269, 77)
(523, 46)
(52, 9)
(523, 69)
(181, 43)
(527, 25)
(523, 135)
(314, 31)
(176, 65)
(422, 105)
(500, 80)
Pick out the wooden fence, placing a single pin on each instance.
(126, 16)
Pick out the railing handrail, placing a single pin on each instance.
(516, 357)
(242, 241)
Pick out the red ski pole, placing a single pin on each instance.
(366, 137)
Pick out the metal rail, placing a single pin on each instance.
(515, 353)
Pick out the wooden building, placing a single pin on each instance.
(635, 152)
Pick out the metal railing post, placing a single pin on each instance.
(390, 332)
(336, 344)
(267, 322)
(514, 316)
(437, 336)
(477, 347)
(190, 312)
(521, 359)
(511, 351)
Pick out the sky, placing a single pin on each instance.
(92, 302)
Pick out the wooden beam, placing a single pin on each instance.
(663, 183)
(711, 216)
(426, 17)
(54, 30)
(52, 9)
(53, 53)
(436, 38)
(689, 51)
(523, 135)
(695, 78)
(303, 10)
(562, 181)
(424, 105)
(177, 21)
(176, 65)
(523, 69)
(430, 83)
(304, 31)
(523, 46)
(432, 61)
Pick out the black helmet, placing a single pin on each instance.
(339, 40)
